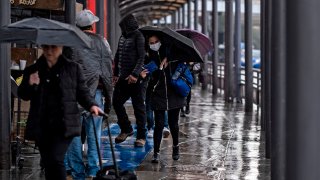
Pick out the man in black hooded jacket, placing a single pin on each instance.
(129, 60)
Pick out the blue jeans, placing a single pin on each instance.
(150, 119)
(73, 158)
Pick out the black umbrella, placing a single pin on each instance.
(44, 31)
(184, 47)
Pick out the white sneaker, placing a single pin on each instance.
(165, 132)
(150, 133)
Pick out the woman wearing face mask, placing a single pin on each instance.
(163, 96)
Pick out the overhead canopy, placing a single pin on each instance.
(147, 10)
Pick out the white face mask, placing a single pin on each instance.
(155, 47)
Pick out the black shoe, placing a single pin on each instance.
(155, 158)
(175, 153)
(182, 113)
(187, 110)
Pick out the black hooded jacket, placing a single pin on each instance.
(130, 54)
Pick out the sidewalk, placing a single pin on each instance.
(217, 141)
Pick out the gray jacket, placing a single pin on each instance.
(97, 65)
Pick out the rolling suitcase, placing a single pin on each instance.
(110, 172)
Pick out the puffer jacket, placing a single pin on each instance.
(97, 65)
(73, 90)
(130, 54)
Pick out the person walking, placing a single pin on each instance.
(129, 61)
(97, 68)
(146, 74)
(54, 85)
(164, 98)
(195, 68)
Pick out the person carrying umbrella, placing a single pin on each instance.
(54, 86)
(164, 97)
(97, 68)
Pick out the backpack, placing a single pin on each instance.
(182, 80)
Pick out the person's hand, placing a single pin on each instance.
(163, 64)
(115, 80)
(131, 79)
(144, 73)
(34, 79)
(95, 110)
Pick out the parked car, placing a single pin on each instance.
(256, 58)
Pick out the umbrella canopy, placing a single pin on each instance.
(186, 50)
(201, 41)
(44, 31)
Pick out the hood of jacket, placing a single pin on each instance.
(128, 24)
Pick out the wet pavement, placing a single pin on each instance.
(217, 141)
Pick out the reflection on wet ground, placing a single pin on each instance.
(217, 141)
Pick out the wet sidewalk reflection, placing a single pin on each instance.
(217, 141)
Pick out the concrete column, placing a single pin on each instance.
(111, 25)
(5, 92)
(278, 90)
(179, 18)
(204, 29)
(215, 37)
(189, 14)
(266, 78)
(165, 21)
(174, 21)
(248, 57)
(100, 24)
(237, 50)
(196, 15)
(70, 12)
(183, 25)
(302, 89)
(228, 70)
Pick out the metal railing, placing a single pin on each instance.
(256, 81)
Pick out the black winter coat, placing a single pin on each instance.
(163, 96)
(130, 54)
(73, 89)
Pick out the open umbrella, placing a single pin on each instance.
(186, 50)
(201, 41)
(44, 31)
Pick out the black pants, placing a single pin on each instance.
(122, 92)
(189, 98)
(53, 147)
(173, 119)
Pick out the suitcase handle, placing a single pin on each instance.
(106, 116)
